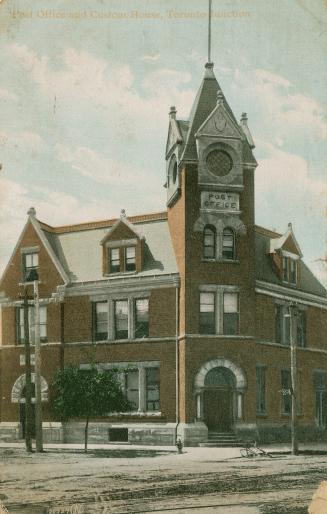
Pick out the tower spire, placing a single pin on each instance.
(209, 32)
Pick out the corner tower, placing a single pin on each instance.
(210, 201)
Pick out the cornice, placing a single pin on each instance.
(292, 295)
(123, 284)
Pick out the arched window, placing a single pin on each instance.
(209, 242)
(228, 251)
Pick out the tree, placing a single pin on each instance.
(80, 393)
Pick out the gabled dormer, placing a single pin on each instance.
(122, 248)
(286, 255)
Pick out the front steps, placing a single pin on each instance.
(222, 440)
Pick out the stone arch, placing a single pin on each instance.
(240, 379)
(16, 392)
(220, 221)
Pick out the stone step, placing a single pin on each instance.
(219, 444)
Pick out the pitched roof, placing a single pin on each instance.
(80, 250)
(308, 283)
(204, 104)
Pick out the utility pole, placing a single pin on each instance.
(28, 377)
(38, 398)
(293, 334)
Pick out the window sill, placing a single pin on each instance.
(118, 274)
(261, 415)
(223, 261)
(137, 414)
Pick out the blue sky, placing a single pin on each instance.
(86, 89)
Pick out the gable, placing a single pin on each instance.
(219, 124)
(290, 246)
(121, 230)
(49, 276)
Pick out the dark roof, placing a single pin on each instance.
(265, 270)
(204, 103)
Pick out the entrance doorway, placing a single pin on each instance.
(218, 412)
(218, 399)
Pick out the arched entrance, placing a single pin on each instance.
(18, 395)
(219, 387)
(218, 399)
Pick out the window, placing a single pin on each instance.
(209, 243)
(260, 390)
(130, 262)
(132, 388)
(283, 330)
(122, 259)
(31, 264)
(293, 268)
(114, 260)
(289, 270)
(319, 380)
(207, 313)
(228, 244)
(100, 326)
(31, 324)
(286, 391)
(283, 325)
(301, 328)
(141, 318)
(152, 389)
(121, 319)
(218, 246)
(231, 316)
(219, 310)
(285, 269)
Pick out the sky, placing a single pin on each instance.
(86, 88)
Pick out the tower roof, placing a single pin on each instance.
(204, 103)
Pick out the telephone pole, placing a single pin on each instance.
(38, 396)
(294, 390)
(28, 377)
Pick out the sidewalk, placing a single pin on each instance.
(197, 453)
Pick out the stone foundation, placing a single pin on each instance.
(191, 434)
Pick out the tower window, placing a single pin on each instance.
(209, 243)
(207, 313)
(228, 249)
(219, 163)
(231, 315)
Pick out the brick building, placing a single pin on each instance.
(193, 303)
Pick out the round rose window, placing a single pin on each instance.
(219, 163)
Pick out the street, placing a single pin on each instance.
(129, 479)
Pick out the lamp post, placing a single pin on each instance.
(38, 396)
(28, 377)
(294, 389)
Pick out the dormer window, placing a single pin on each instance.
(123, 248)
(289, 270)
(30, 266)
(285, 269)
(114, 260)
(293, 269)
(130, 258)
(122, 259)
